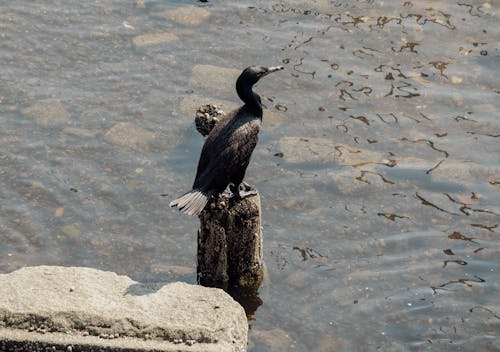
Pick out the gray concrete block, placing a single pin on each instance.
(83, 309)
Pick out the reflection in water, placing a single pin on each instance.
(457, 261)
(307, 253)
(466, 282)
(458, 236)
(249, 299)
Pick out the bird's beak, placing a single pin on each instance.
(273, 69)
(269, 70)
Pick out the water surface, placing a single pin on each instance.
(378, 167)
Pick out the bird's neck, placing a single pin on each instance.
(250, 98)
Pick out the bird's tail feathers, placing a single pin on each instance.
(191, 203)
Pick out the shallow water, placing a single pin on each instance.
(378, 166)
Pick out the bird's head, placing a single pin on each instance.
(253, 74)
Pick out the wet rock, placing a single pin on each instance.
(214, 80)
(48, 112)
(302, 150)
(104, 311)
(154, 39)
(187, 15)
(127, 134)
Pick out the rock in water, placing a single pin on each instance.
(74, 306)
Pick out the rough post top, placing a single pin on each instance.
(243, 208)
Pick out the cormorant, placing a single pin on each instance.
(228, 147)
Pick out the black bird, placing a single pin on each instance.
(228, 147)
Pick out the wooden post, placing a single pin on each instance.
(230, 243)
(230, 234)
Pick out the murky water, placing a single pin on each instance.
(379, 165)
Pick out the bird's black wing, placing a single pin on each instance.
(209, 148)
(227, 152)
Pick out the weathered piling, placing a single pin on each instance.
(230, 243)
(230, 237)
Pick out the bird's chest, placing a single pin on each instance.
(246, 132)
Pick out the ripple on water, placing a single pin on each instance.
(377, 164)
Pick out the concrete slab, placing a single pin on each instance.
(83, 309)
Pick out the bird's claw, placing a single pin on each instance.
(243, 190)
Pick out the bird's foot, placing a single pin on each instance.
(228, 192)
(243, 190)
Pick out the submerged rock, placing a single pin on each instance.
(48, 112)
(127, 134)
(274, 339)
(154, 39)
(81, 132)
(187, 15)
(302, 150)
(360, 182)
(356, 157)
(214, 80)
